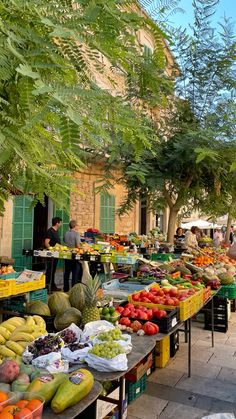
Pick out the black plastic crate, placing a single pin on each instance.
(233, 305)
(174, 343)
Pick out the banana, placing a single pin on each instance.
(29, 321)
(25, 329)
(2, 339)
(8, 326)
(7, 352)
(16, 321)
(37, 334)
(22, 343)
(22, 336)
(5, 333)
(15, 347)
(39, 321)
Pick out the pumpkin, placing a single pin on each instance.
(76, 296)
(58, 302)
(38, 307)
(64, 320)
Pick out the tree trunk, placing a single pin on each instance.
(227, 233)
(172, 224)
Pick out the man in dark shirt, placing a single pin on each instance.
(51, 239)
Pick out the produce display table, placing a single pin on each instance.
(75, 411)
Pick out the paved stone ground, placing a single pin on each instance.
(210, 389)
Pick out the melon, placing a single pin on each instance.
(76, 296)
(37, 307)
(226, 279)
(64, 320)
(58, 302)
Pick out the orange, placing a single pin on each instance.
(6, 415)
(11, 408)
(24, 414)
(36, 406)
(3, 396)
(22, 403)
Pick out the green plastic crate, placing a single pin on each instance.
(18, 303)
(134, 390)
(164, 257)
(38, 295)
(227, 291)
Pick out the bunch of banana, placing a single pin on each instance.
(16, 333)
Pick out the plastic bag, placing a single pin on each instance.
(92, 329)
(118, 363)
(75, 329)
(220, 416)
(125, 343)
(51, 362)
(73, 356)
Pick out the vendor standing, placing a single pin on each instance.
(51, 239)
(72, 240)
(191, 239)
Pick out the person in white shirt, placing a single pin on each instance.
(191, 239)
(217, 237)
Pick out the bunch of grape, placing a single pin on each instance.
(113, 334)
(107, 350)
(68, 336)
(75, 346)
(45, 345)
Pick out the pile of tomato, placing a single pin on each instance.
(140, 312)
(165, 296)
(22, 409)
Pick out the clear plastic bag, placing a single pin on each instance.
(124, 343)
(92, 329)
(220, 416)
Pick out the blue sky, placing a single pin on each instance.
(225, 7)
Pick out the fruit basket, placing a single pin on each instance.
(187, 308)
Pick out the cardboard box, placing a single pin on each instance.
(104, 408)
(137, 372)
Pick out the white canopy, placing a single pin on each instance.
(199, 223)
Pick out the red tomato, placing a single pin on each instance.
(125, 321)
(160, 292)
(143, 294)
(120, 309)
(150, 328)
(143, 316)
(150, 314)
(169, 302)
(130, 306)
(136, 326)
(173, 292)
(126, 312)
(154, 290)
(136, 297)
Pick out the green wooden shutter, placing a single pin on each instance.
(65, 216)
(107, 213)
(147, 52)
(22, 229)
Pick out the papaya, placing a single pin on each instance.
(46, 385)
(77, 385)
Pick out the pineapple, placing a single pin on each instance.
(90, 312)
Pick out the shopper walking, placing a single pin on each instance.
(51, 239)
(72, 239)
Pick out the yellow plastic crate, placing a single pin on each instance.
(29, 286)
(6, 287)
(187, 308)
(162, 352)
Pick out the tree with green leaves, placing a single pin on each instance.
(176, 174)
(51, 108)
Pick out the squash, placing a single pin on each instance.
(74, 389)
(76, 296)
(64, 320)
(37, 307)
(46, 385)
(58, 302)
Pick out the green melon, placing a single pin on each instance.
(37, 307)
(64, 320)
(76, 296)
(58, 302)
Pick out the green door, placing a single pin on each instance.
(65, 216)
(22, 230)
(107, 213)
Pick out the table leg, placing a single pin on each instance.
(51, 276)
(186, 331)
(212, 322)
(189, 347)
(120, 404)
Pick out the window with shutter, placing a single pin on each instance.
(107, 213)
(22, 230)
